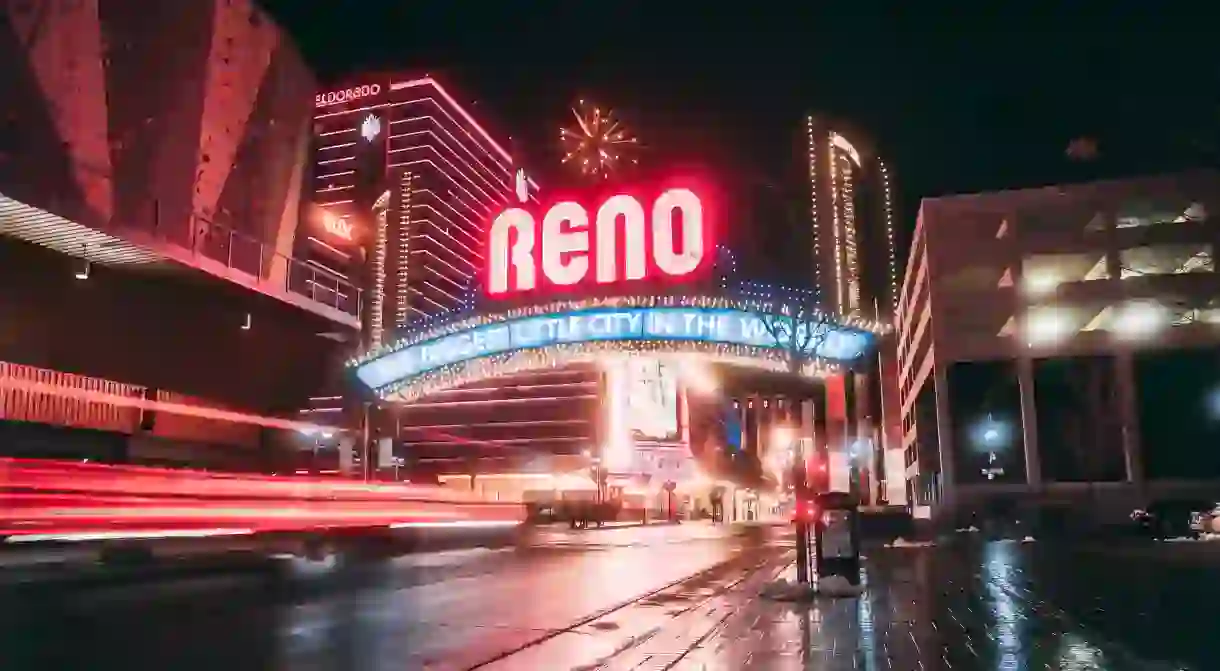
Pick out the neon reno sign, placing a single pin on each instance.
(346, 95)
(667, 240)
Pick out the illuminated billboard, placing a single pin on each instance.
(727, 326)
(652, 399)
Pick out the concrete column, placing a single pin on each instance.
(1029, 422)
(867, 434)
(837, 436)
(756, 435)
(944, 432)
(347, 452)
(806, 432)
(766, 422)
(1128, 413)
(819, 457)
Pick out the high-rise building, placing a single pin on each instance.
(851, 205)
(855, 272)
(405, 180)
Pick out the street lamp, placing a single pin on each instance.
(993, 437)
(991, 434)
(598, 473)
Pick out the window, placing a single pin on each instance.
(1148, 213)
(1042, 273)
(1174, 259)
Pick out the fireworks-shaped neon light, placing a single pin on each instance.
(599, 144)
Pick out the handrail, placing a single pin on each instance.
(219, 242)
(248, 254)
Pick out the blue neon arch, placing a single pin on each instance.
(473, 340)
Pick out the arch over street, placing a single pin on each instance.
(467, 349)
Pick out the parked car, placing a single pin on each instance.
(581, 514)
(1206, 521)
(1173, 518)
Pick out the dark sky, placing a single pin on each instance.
(960, 101)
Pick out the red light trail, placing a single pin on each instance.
(67, 501)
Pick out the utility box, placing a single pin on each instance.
(836, 527)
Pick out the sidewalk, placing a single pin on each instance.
(910, 617)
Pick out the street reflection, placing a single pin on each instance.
(998, 569)
(1078, 654)
(1005, 574)
(864, 616)
(1002, 605)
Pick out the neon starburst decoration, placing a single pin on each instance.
(599, 144)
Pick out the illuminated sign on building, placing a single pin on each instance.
(346, 95)
(652, 399)
(622, 241)
(708, 325)
(370, 128)
(338, 227)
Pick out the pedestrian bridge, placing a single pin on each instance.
(470, 348)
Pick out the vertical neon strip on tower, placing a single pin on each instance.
(850, 233)
(377, 299)
(837, 225)
(401, 304)
(813, 208)
(889, 234)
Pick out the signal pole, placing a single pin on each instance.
(800, 490)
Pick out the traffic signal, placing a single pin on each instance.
(806, 511)
(819, 473)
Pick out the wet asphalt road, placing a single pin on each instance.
(447, 610)
(969, 605)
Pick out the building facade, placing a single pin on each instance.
(854, 268)
(148, 207)
(405, 180)
(1061, 342)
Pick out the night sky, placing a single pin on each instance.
(958, 101)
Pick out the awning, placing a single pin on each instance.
(40, 227)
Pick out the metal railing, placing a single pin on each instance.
(239, 251)
(251, 256)
(219, 242)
